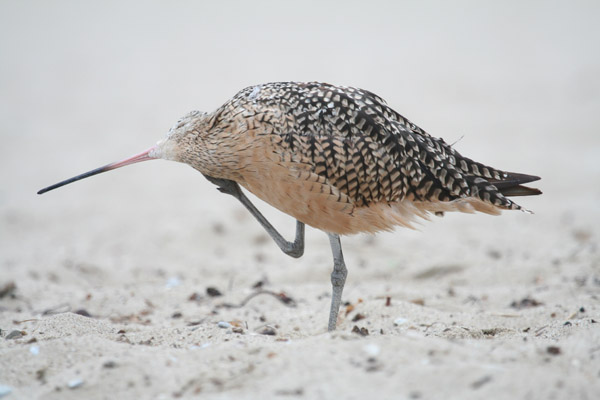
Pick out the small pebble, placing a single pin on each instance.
(14, 335)
(195, 297)
(525, 303)
(358, 317)
(267, 330)
(419, 302)
(172, 282)
(372, 349)
(75, 383)
(290, 393)
(360, 331)
(5, 390)
(258, 285)
(213, 292)
(400, 321)
(8, 290)
(224, 325)
(83, 312)
(35, 350)
(481, 381)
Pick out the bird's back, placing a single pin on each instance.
(341, 159)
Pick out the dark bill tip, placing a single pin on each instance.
(144, 156)
(75, 178)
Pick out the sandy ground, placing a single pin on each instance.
(111, 274)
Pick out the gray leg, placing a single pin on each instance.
(294, 249)
(338, 279)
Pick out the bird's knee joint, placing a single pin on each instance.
(226, 190)
(338, 277)
(230, 189)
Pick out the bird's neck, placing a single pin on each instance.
(218, 157)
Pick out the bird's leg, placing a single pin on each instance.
(338, 279)
(294, 249)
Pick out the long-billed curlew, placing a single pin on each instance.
(335, 158)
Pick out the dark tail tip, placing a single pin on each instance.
(512, 185)
(520, 191)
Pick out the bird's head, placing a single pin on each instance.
(183, 143)
(182, 139)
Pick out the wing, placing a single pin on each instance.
(370, 152)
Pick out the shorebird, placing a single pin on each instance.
(336, 158)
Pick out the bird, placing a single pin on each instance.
(336, 158)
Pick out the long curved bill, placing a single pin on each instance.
(144, 156)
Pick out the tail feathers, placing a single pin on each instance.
(520, 191)
(511, 185)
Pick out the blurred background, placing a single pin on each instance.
(83, 84)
